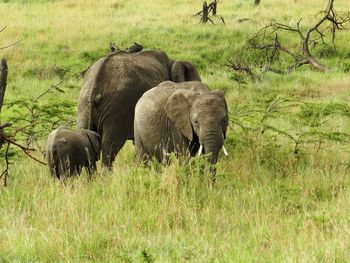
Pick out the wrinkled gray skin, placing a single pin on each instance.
(178, 117)
(67, 151)
(113, 85)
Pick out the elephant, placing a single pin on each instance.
(185, 118)
(114, 84)
(67, 151)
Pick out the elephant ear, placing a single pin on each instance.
(221, 95)
(177, 109)
(95, 141)
(182, 71)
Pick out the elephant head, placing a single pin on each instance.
(202, 118)
(182, 71)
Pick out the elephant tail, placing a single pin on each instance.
(184, 71)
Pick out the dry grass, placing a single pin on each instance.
(269, 204)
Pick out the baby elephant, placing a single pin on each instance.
(67, 151)
(185, 118)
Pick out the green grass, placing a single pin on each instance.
(270, 204)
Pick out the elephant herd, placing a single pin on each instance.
(147, 97)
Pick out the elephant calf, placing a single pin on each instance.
(185, 118)
(67, 151)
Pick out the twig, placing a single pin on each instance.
(52, 87)
(5, 173)
(3, 126)
(13, 44)
(222, 19)
(241, 68)
(26, 150)
(2, 29)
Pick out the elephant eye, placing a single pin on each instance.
(196, 122)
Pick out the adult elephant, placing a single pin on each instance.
(184, 118)
(114, 84)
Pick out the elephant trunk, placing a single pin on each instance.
(212, 146)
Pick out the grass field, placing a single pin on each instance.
(282, 194)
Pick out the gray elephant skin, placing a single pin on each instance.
(68, 151)
(114, 84)
(180, 117)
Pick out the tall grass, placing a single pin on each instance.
(270, 203)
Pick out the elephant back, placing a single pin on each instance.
(122, 78)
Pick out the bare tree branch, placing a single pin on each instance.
(26, 150)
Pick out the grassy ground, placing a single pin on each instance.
(277, 199)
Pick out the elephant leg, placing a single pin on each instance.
(74, 169)
(91, 167)
(110, 149)
(141, 153)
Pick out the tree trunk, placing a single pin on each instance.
(214, 7)
(257, 2)
(3, 83)
(205, 12)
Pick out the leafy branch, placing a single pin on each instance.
(33, 124)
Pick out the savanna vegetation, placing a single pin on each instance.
(282, 194)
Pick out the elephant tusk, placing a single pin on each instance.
(200, 150)
(225, 151)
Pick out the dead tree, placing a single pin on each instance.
(303, 56)
(257, 2)
(206, 9)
